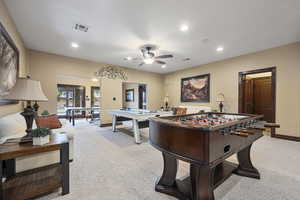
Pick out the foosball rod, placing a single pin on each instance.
(247, 131)
(239, 134)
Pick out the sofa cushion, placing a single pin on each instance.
(50, 122)
(12, 126)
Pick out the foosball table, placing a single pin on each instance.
(205, 140)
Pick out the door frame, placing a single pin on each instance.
(242, 75)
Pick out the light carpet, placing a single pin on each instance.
(110, 166)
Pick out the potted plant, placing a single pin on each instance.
(45, 113)
(41, 136)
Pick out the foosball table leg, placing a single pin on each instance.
(201, 182)
(168, 177)
(246, 167)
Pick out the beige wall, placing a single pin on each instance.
(224, 78)
(10, 27)
(46, 68)
(52, 69)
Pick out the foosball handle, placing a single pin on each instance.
(247, 131)
(258, 128)
(271, 125)
(239, 134)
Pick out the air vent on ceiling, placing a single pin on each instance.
(80, 27)
(186, 59)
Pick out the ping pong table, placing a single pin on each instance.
(139, 118)
(70, 112)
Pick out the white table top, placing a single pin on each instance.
(139, 114)
(82, 108)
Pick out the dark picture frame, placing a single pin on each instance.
(196, 89)
(8, 48)
(129, 95)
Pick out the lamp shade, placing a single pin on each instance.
(220, 97)
(26, 90)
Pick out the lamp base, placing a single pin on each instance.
(36, 107)
(29, 115)
(166, 106)
(221, 105)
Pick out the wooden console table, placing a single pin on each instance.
(34, 182)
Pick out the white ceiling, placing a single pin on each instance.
(117, 28)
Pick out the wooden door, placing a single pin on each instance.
(262, 97)
(248, 97)
(142, 97)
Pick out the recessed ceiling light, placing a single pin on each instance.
(128, 58)
(164, 66)
(184, 28)
(220, 49)
(74, 45)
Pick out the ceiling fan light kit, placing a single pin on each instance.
(148, 61)
(149, 56)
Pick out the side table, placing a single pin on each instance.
(34, 182)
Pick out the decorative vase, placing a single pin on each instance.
(41, 140)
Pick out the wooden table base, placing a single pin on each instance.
(203, 179)
(35, 182)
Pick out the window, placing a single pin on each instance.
(95, 96)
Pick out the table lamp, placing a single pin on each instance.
(166, 101)
(221, 99)
(27, 90)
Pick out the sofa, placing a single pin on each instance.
(13, 126)
(195, 109)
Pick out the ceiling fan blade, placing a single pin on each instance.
(164, 56)
(131, 59)
(141, 64)
(160, 62)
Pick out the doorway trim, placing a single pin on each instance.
(242, 75)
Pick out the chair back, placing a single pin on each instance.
(180, 111)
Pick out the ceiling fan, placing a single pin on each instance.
(149, 56)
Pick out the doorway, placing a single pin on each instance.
(70, 96)
(257, 93)
(134, 95)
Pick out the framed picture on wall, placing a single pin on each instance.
(129, 95)
(9, 65)
(195, 89)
